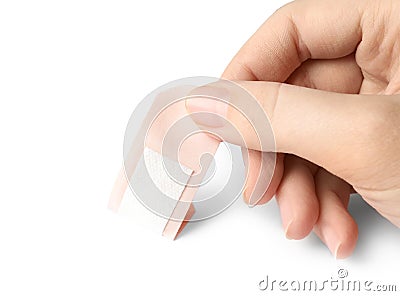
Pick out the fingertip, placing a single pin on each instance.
(347, 241)
(264, 174)
(302, 220)
(338, 231)
(297, 200)
(335, 226)
(301, 226)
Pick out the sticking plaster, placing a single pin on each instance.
(146, 168)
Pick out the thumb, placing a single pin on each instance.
(336, 131)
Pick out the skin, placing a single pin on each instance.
(327, 74)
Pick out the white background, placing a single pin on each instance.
(71, 73)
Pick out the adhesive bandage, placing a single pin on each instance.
(163, 164)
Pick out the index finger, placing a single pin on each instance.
(300, 30)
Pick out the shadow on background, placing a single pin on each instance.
(371, 227)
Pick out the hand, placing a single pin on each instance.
(337, 127)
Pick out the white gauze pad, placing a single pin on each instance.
(150, 211)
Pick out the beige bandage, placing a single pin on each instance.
(152, 157)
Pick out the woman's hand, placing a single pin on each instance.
(339, 131)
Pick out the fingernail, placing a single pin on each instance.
(245, 158)
(246, 198)
(287, 231)
(337, 251)
(253, 200)
(251, 205)
(207, 112)
(250, 200)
